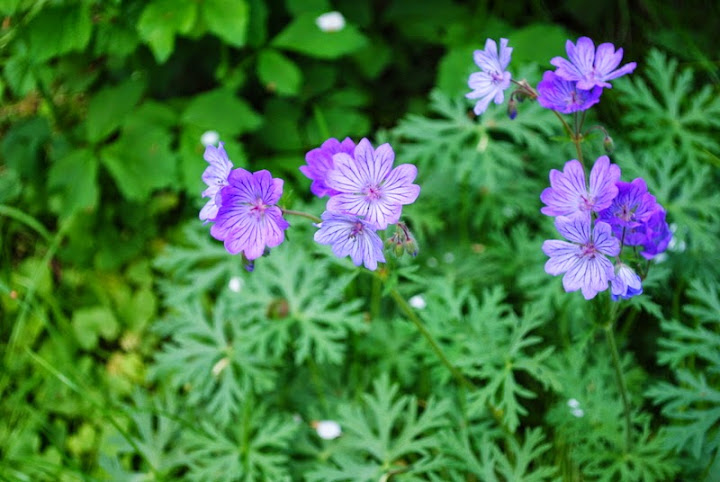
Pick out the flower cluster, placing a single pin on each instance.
(576, 84)
(366, 195)
(599, 219)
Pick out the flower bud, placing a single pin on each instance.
(512, 108)
(402, 241)
(608, 144)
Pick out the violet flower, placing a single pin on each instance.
(583, 260)
(491, 82)
(216, 177)
(625, 284)
(589, 67)
(350, 235)
(568, 194)
(248, 220)
(319, 162)
(563, 96)
(369, 187)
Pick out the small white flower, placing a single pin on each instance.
(330, 22)
(578, 412)
(235, 284)
(209, 138)
(573, 403)
(417, 302)
(218, 368)
(448, 257)
(327, 429)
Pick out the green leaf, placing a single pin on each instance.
(58, 30)
(228, 19)
(161, 20)
(75, 177)
(109, 107)
(220, 110)
(141, 160)
(19, 75)
(537, 43)
(22, 145)
(304, 36)
(90, 323)
(278, 73)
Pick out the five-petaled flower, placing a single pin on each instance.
(368, 186)
(563, 96)
(216, 177)
(491, 82)
(583, 260)
(248, 220)
(350, 235)
(589, 67)
(569, 195)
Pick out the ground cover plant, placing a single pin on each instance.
(345, 241)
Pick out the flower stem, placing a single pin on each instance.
(405, 307)
(609, 335)
(302, 214)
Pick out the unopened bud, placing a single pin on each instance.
(402, 241)
(512, 108)
(608, 144)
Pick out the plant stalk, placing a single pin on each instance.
(610, 336)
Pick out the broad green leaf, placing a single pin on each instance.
(278, 73)
(22, 145)
(19, 75)
(537, 43)
(220, 110)
(161, 20)
(228, 19)
(74, 177)
(91, 322)
(304, 36)
(58, 30)
(109, 107)
(141, 160)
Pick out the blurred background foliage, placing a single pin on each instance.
(102, 108)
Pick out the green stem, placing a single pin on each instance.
(621, 383)
(302, 214)
(405, 307)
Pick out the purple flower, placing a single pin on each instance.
(491, 82)
(589, 67)
(248, 219)
(216, 177)
(568, 194)
(367, 185)
(625, 284)
(350, 235)
(630, 209)
(583, 260)
(655, 234)
(319, 162)
(562, 96)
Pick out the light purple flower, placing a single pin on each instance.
(350, 235)
(216, 177)
(625, 284)
(589, 67)
(568, 194)
(563, 96)
(367, 185)
(583, 260)
(655, 234)
(630, 209)
(493, 80)
(248, 220)
(319, 162)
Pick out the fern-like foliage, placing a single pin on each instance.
(693, 353)
(666, 111)
(388, 436)
(493, 346)
(253, 448)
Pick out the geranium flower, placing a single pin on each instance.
(491, 82)
(563, 96)
(216, 177)
(369, 187)
(248, 220)
(583, 260)
(589, 67)
(350, 235)
(319, 162)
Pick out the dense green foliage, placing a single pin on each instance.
(134, 347)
